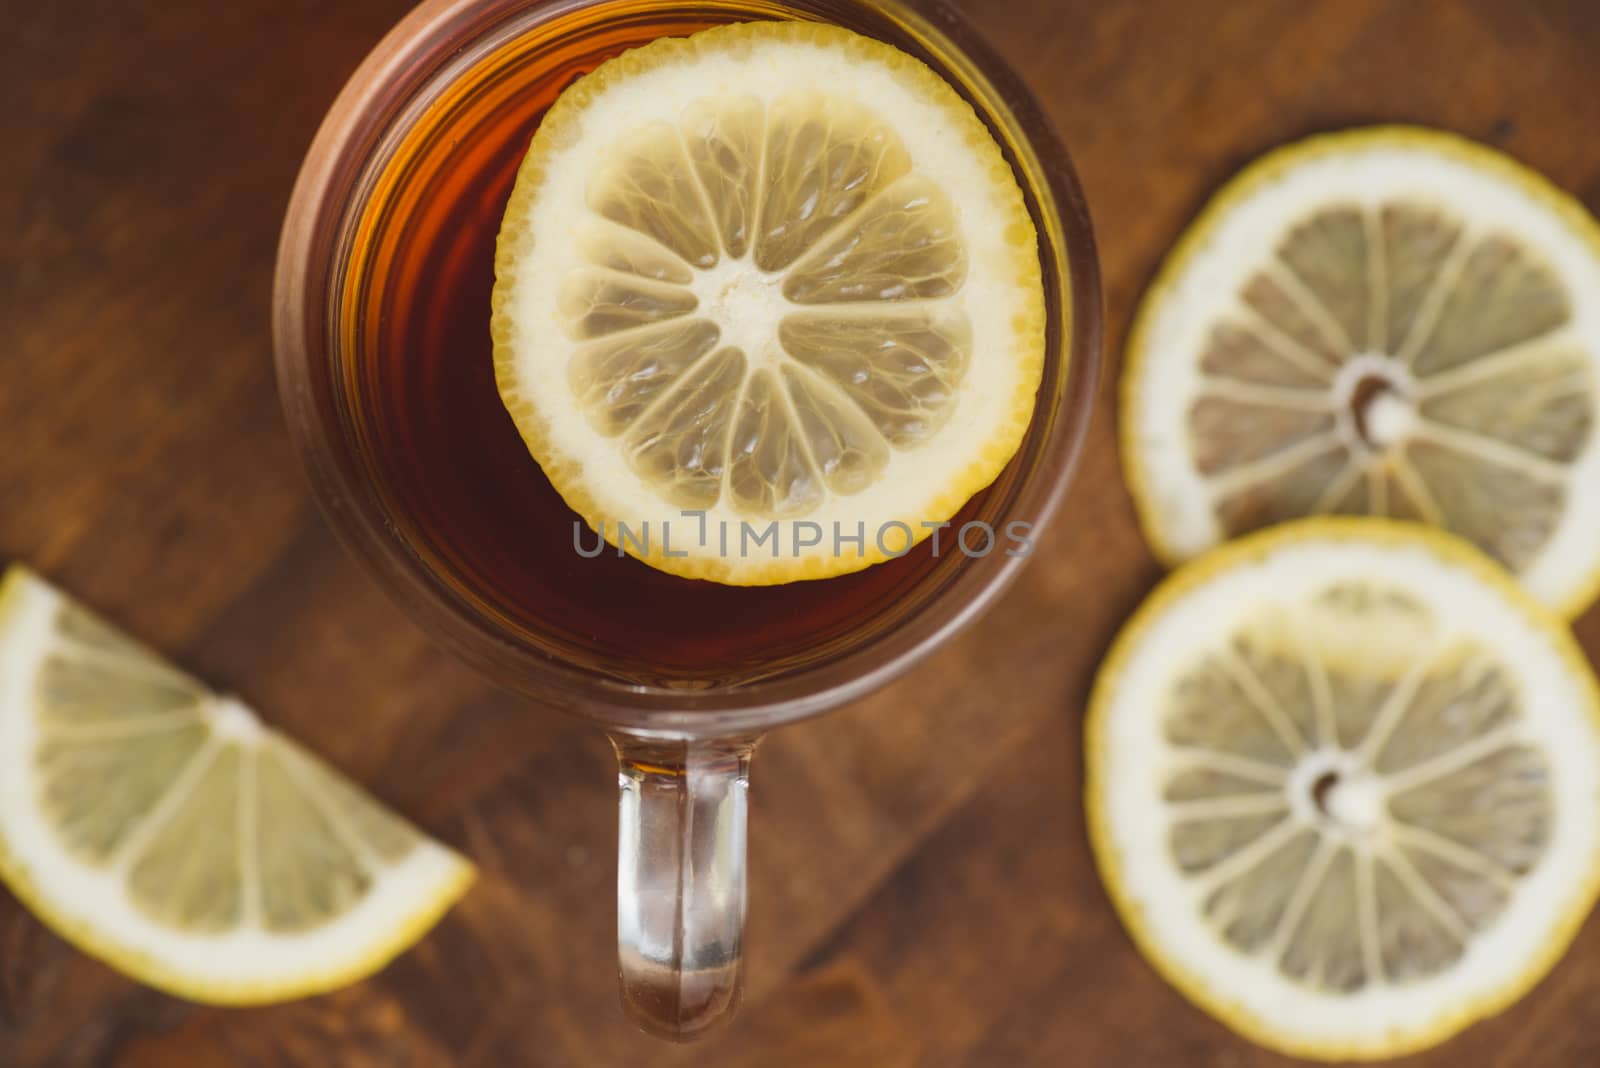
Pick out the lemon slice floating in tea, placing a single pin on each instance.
(1388, 321)
(164, 830)
(776, 273)
(1342, 783)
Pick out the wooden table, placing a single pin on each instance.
(922, 887)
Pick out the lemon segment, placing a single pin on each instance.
(1391, 322)
(165, 830)
(775, 273)
(1341, 785)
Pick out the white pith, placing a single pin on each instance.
(1388, 417)
(747, 304)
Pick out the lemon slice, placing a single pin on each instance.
(769, 298)
(164, 830)
(1387, 321)
(1342, 779)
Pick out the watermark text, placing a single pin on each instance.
(775, 539)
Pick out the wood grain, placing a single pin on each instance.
(922, 889)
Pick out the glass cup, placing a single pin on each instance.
(683, 744)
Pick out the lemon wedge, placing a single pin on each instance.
(165, 830)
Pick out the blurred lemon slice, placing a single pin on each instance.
(163, 829)
(1342, 779)
(776, 273)
(1390, 322)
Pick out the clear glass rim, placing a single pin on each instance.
(320, 198)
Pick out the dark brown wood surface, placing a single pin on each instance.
(922, 887)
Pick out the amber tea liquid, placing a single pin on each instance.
(461, 489)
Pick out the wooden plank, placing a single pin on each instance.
(921, 888)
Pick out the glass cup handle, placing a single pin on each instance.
(681, 880)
